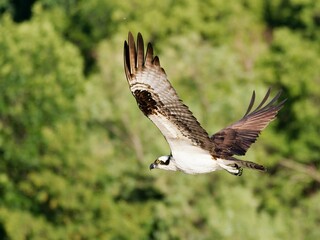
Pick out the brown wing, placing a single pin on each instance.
(238, 137)
(158, 100)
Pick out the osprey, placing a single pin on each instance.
(193, 151)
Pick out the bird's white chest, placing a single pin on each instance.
(187, 157)
(193, 161)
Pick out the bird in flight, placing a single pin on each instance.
(193, 151)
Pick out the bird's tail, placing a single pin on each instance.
(235, 166)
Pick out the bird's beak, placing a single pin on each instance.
(152, 166)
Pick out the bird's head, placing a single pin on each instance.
(165, 163)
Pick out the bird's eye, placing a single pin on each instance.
(157, 161)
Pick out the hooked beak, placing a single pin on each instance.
(152, 166)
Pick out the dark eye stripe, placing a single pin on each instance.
(166, 162)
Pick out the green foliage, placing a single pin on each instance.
(301, 15)
(289, 52)
(75, 149)
(291, 63)
(32, 93)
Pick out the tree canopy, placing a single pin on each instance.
(75, 149)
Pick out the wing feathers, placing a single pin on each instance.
(238, 137)
(251, 103)
(156, 61)
(156, 97)
(140, 51)
(132, 54)
(149, 55)
(264, 100)
(126, 59)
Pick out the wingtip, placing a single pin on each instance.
(126, 59)
(131, 54)
(135, 57)
(156, 61)
(130, 38)
(253, 97)
(149, 55)
(140, 51)
(281, 104)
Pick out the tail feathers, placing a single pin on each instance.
(234, 166)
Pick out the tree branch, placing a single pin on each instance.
(302, 168)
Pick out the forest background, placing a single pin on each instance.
(75, 149)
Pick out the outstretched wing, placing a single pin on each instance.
(238, 137)
(158, 100)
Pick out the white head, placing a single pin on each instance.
(164, 162)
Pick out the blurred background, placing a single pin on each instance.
(75, 149)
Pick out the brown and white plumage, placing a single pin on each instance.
(192, 149)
